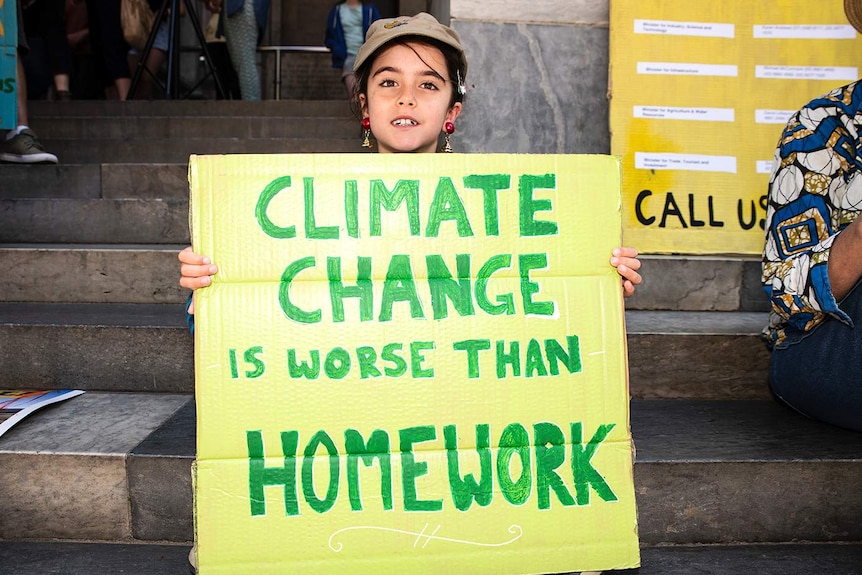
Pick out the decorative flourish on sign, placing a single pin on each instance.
(423, 538)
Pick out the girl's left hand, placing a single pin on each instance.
(627, 263)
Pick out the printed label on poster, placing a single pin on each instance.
(805, 31)
(688, 162)
(841, 73)
(687, 69)
(671, 28)
(772, 116)
(673, 113)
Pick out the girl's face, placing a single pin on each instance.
(408, 98)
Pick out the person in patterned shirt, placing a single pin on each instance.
(812, 259)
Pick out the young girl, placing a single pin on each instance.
(410, 87)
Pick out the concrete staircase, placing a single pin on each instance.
(727, 480)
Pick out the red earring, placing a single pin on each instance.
(448, 129)
(366, 132)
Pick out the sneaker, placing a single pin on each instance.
(24, 148)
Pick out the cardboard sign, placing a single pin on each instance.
(700, 94)
(409, 364)
(8, 64)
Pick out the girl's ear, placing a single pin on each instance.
(363, 104)
(454, 112)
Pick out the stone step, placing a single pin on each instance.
(49, 558)
(97, 128)
(754, 471)
(116, 347)
(146, 347)
(91, 273)
(95, 221)
(708, 283)
(706, 472)
(113, 181)
(103, 467)
(150, 233)
(697, 355)
(137, 150)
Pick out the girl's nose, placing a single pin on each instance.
(405, 98)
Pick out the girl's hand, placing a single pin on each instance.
(627, 263)
(196, 271)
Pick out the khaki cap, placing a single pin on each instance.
(853, 11)
(424, 25)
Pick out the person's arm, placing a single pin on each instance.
(627, 263)
(845, 261)
(329, 39)
(77, 37)
(807, 259)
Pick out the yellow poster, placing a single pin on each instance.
(411, 364)
(700, 92)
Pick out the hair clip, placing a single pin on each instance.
(462, 89)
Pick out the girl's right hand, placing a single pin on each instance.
(196, 271)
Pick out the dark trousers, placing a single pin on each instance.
(819, 372)
(45, 19)
(106, 37)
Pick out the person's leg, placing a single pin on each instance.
(21, 95)
(348, 77)
(821, 375)
(109, 44)
(20, 146)
(61, 86)
(94, 27)
(37, 69)
(240, 32)
(155, 59)
(123, 85)
(227, 74)
(53, 26)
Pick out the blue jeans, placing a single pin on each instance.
(819, 372)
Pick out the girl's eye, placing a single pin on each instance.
(387, 83)
(429, 85)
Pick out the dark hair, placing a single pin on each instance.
(451, 56)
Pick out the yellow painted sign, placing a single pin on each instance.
(700, 92)
(411, 363)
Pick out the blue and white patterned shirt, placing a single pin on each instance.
(815, 192)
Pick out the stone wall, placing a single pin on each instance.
(538, 76)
